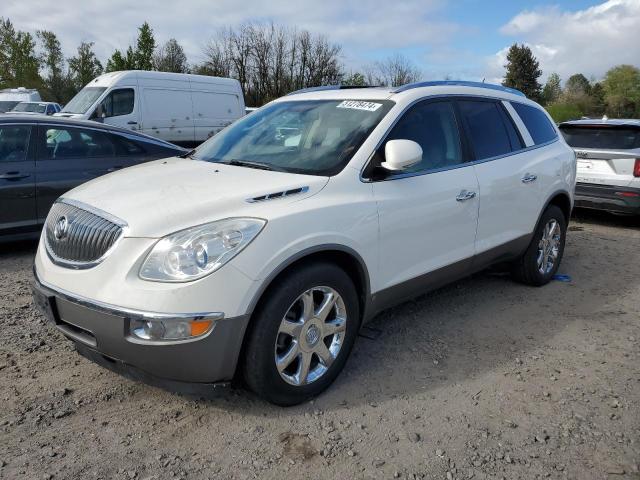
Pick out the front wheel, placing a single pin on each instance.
(302, 334)
(542, 258)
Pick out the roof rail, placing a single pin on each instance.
(329, 87)
(462, 83)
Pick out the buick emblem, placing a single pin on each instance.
(61, 229)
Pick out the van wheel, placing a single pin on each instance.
(542, 258)
(302, 334)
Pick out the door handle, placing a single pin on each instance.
(465, 195)
(529, 177)
(14, 176)
(131, 122)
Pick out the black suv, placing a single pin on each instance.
(43, 157)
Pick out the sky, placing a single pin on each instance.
(461, 39)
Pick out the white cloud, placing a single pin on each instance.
(588, 41)
(363, 27)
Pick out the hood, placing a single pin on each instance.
(164, 196)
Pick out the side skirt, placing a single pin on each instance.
(415, 287)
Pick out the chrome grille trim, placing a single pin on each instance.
(90, 234)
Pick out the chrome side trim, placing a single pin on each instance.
(122, 312)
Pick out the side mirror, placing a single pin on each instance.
(401, 154)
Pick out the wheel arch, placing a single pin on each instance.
(562, 200)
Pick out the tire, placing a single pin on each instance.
(527, 268)
(297, 339)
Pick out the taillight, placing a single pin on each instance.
(636, 168)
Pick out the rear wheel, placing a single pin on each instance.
(302, 335)
(542, 258)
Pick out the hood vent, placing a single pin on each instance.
(275, 195)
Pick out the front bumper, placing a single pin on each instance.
(101, 332)
(608, 197)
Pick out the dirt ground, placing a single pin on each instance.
(482, 379)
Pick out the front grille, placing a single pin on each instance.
(80, 236)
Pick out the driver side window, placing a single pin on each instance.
(433, 126)
(118, 102)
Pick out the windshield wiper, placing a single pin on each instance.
(258, 165)
(188, 154)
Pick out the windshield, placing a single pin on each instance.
(7, 105)
(30, 107)
(608, 138)
(315, 137)
(83, 100)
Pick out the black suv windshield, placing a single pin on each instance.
(315, 137)
(614, 137)
(83, 100)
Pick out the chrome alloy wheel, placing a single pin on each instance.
(549, 246)
(310, 336)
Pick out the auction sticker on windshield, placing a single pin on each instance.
(358, 105)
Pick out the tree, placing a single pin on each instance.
(577, 85)
(171, 58)
(119, 62)
(145, 46)
(394, 71)
(19, 63)
(84, 67)
(523, 71)
(552, 89)
(58, 87)
(355, 80)
(622, 91)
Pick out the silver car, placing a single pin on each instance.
(608, 153)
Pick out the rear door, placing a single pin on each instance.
(606, 153)
(68, 156)
(509, 177)
(17, 180)
(213, 111)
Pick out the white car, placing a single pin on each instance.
(263, 251)
(608, 152)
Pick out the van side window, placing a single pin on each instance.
(488, 129)
(432, 125)
(537, 123)
(119, 102)
(64, 143)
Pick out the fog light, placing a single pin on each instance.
(169, 329)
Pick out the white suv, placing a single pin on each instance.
(263, 251)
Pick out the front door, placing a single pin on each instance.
(120, 108)
(17, 181)
(428, 213)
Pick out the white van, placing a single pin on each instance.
(10, 97)
(180, 108)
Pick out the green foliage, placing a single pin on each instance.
(523, 71)
(19, 62)
(145, 46)
(171, 58)
(84, 67)
(561, 112)
(58, 86)
(622, 91)
(552, 89)
(355, 80)
(119, 62)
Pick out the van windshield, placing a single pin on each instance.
(314, 137)
(83, 100)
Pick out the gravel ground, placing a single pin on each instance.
(482, 379)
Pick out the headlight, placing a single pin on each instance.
(198, 251)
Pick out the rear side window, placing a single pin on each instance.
(488, 129)
(126, 147)
(537, 122)
(594, 136)
(14, 142)
(62, 143)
